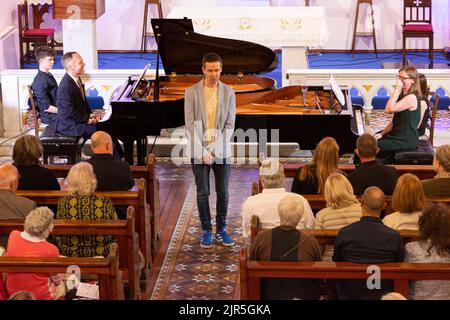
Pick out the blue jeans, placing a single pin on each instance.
(221, 174)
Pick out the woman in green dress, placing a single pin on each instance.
(405, 103)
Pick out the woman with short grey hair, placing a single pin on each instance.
(32, 243)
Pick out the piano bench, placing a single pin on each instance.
(56, 145)
(422, 155)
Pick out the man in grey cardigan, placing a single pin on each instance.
(210, 111)
(11, 205)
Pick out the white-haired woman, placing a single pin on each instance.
(286, 243)
(343, 208)
(82, 204)
(32, 243)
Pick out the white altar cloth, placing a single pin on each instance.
(290, 28)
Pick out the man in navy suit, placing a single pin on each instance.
(75, 118)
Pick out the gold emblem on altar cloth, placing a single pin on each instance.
(202, 24)
(290, 24)
(245, 23)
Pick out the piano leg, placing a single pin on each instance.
(141, 148)
(128, 148)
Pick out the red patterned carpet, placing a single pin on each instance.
(191, 272)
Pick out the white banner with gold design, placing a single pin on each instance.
(273, 27)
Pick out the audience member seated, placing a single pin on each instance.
(393, 296)
(408, 201)
(286, 243)
(264, 204)
(26, 155)
(22, 295)
(82, 204)
(371, 172)
(367, 241)
(342, 208)
(440, 185)
(32, 243)
(433, 247)
(45, 87)
(104, 164)
(3, 293)
(11, 205)
(310, 178)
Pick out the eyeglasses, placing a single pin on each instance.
(403, 78)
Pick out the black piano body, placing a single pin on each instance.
(306, 124)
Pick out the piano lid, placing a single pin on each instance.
(181, 50)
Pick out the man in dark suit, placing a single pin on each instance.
(45, 87)
(370, 172)
(367, 241)
(75, 118)
(112, 174)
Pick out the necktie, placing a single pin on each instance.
(80, 85)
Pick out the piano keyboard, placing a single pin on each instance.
(359, 122)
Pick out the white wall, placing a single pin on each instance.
(120, 27)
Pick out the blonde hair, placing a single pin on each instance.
(38, 222)
(271, 173)
(81, 179)
(326, 158)
(408, 195)
(290, 210)
(339, 192)
(442, 155)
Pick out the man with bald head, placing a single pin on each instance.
(112, 174)
(371, 172)
(11, 205)
(367, 241)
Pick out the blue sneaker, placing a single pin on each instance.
(223, 238)
(206, 240)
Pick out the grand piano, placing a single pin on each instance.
(137, 112)
(302, 114)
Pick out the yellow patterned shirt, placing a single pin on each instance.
(86, 208)
(211, 111)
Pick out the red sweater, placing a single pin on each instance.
(37, 283)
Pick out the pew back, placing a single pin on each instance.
(123, 230)
(107, 269)
(251, 272)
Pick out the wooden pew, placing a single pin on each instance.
(148, 173)
(136, 199)
(421, 171)
(326, 236)
(317, 201)
(123, 230)
(251, 272)
(107, 269)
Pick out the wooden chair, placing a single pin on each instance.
(55, 145)
(31, 37)
(364, 34)
(417, 23)
(145, 33)
(424, 152)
